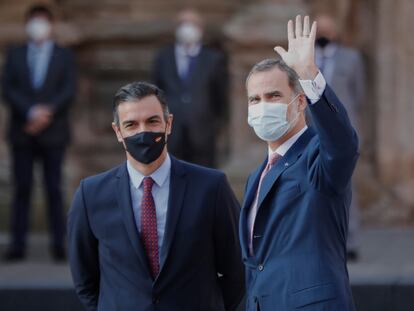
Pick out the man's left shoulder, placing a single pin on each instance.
(62, 50)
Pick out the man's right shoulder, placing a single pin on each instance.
(103, 177)
(15, 49)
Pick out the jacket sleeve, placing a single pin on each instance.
(227, 246)
(65, 95)
(338, 144)
(17, 100)
(83, 252)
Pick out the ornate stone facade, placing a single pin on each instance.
(115, 42)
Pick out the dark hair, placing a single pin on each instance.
(39, 10)
(136, 91)
(269, 64)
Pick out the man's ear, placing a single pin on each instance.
(117, 132)
(169, 124)
(303, 102)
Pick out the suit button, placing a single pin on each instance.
(155, 300)
(260, 267)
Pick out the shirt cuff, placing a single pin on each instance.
(314, 89)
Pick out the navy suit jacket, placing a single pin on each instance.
(301, 227)
(108, 262)
(57, 91)
(200, 103)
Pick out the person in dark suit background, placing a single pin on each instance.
(38, 87)
(155, 232)
(343, 69)
(195, 80)
(294, 219)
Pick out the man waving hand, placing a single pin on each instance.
(294, 221)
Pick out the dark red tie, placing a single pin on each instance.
(149, 233)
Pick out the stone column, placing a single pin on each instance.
(395, 109)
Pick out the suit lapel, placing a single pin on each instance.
(251, 189)
(125, 203)
(285, 162)
(196, 70)
(252, 185)
(172, 67)
(25, 66)
(175, 203)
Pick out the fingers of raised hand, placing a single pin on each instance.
(306, 27)
(299, 30)
(298, 26)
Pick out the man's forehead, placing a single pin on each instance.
(267, 81)
(145, 107)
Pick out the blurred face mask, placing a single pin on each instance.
(38, 29)
(188, 33)
(270, 121)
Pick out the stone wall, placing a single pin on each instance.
(115, 42)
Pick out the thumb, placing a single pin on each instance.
(281, 51)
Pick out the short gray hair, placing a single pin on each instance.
(271, 63)
(136, 91)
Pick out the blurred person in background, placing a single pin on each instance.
(195, 81)
(343, 69)
(38, 87)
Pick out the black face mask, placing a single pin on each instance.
(145, 147)
(322, 41)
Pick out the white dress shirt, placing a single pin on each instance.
(160, 193)
(182, 57)
(38, 58)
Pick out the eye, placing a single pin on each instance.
(253, 101)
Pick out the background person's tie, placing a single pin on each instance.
(149, 233)
(253, 213)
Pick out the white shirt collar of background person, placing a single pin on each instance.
(182, 50)
(159, 176)
(44, 46)
(283, 148)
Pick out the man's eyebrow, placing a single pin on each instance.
(274, 93)
(154, 117)
(126, 122)
(252, 97)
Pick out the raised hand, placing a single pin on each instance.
(300, 55)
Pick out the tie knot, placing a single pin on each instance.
(148, 182)
(274, 158)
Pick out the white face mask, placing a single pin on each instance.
(270, 121)
(188, 33)
(38, 29)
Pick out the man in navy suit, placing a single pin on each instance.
(38, 87)
(294, 220)
(195, 80)
(154, 233)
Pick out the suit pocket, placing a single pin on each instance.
(311, 295)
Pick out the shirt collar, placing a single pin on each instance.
(45, 46)
(183, 51)
(283, 148)
(159, 176)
